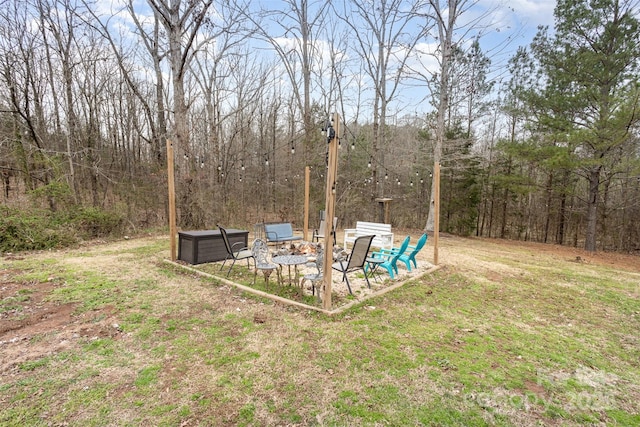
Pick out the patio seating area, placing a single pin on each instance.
(298, 266)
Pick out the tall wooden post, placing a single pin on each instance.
(307, 174)
(436, 211)
(172, 199)
(329, 209)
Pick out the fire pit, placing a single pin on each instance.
(310, 250)
(300, 248)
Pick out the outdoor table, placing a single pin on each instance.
(373, 264)
(289, 260)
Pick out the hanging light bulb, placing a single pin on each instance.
(411, 183)
(421, 180)
(386, 175)
(353, 145)
(369, 164)
(398, 183)
(293, 149)
(242, 166)
(266, 161)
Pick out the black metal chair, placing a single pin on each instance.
(236, 252)
(356, 260)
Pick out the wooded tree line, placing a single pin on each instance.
(541, 147)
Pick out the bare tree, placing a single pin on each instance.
(182, 21)
(385, 38)
(451, 35)
(296, 45)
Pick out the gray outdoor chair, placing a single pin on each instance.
(356, 260)
(260, 251)
(236, 252)
(317, 278)
(318, 233)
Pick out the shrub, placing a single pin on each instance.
(33, 230)
(93, 222)
(39, 229)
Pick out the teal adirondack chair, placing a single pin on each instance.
(410, 257)
(391, 258)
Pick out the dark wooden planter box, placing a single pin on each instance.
(197, 247)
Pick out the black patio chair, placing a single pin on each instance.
(236, 252)
(356, 260)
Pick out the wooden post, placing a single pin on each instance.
(172, 199)
(329, 212)
(436, 211)
(307, 174)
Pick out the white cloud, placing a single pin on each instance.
(532, 13)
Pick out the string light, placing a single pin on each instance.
(293, 149)
(353, 145)
(386, 175)
(370, 160)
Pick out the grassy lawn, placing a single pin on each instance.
(503, 334)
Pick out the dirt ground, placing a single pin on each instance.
(28, 313)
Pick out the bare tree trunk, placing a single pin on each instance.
(62, 27)
(445, 35)
(592, 209)
(547, 221)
